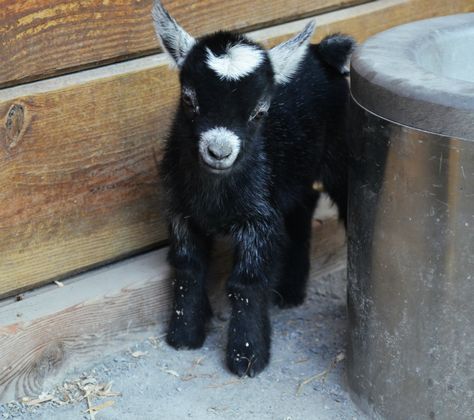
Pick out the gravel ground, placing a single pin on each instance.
(305, 379)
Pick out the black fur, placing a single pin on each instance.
(264, 202)
(334, 50)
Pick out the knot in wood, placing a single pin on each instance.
(48, 361)
(14, 124)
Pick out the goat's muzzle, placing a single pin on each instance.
(219, 148)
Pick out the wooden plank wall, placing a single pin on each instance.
(46, 37)
(78, 179)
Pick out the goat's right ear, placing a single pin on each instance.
(287, 57)
(174, 39)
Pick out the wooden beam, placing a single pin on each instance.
(78, 179)
(54, 329)
(41, 38)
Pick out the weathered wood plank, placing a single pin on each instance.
(369, 19)
(41, 38)
(78, 176)
(54, 329)
(78, 180)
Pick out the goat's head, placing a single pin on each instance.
(227, 82)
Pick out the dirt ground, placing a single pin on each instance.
(305, 379)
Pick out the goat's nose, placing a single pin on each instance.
(219, 151)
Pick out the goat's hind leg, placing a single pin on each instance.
(189, 255)
(291, 287)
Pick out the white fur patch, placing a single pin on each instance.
(239, 61)
(219, 139)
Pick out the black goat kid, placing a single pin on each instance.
(253, 131)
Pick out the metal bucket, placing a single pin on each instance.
(411, 222)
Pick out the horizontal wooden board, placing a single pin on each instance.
(78, 175)
(78, 178)
(40, 38)
(54, 329)
(369, 19)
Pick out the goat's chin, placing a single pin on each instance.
(217, 170)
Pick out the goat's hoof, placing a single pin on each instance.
(245, 361)
(289, 299)
(185, 338)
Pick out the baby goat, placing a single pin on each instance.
(253, 131)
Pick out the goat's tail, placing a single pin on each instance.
(336, 50)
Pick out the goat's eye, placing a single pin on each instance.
(188, 100)
(259, 113)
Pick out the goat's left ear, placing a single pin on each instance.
(287, 57)
(174, 39)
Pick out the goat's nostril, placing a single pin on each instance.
(212, 153)
(219, 153)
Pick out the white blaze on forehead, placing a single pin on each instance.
(239, 61)
(219, 139)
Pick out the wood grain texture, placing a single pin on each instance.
(40, 38)
(55, 329)
(368, 19)
(78, 180)
(78, 177)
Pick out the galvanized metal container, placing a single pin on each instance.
(411, 222)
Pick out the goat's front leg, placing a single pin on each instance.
(189, 255)
(257, 246)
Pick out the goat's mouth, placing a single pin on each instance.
(218, 165)
(217, 169)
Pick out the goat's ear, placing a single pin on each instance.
(174, 39)
(336, 51)
(287, 57)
